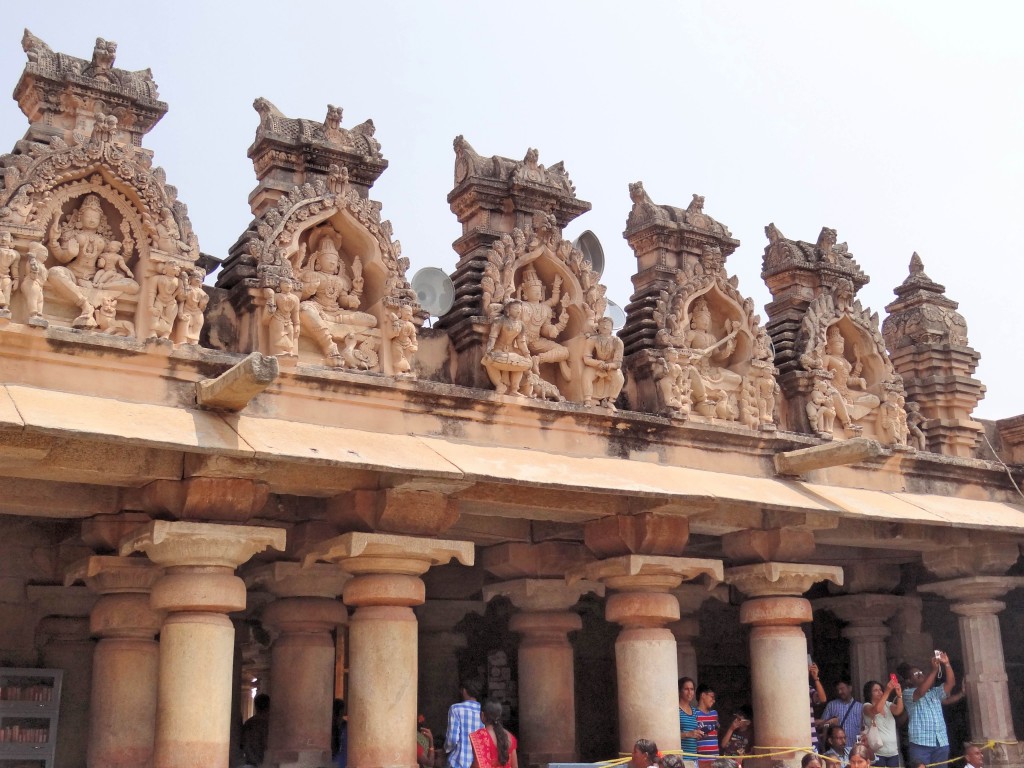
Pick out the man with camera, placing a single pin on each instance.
(926, 731)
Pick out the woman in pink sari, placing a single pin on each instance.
(493, 746)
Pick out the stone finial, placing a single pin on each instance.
(928, 346)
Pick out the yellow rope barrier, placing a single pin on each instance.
(776, 752)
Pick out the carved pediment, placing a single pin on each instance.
(527, 171)
(645, 211)
(826, 256)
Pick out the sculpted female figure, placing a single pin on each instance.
(329, 296)
(403, 340)
(281, 314)
(507, 356)
(193, 301)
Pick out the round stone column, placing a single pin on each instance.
(645, 651)
(778, 649)
(865, 615)
(985, 678)
(122, 708)
(439, 645)
(547, 686)
(65, 643)
(301, 659)
(198, 590)
(382, 637)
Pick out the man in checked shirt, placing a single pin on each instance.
(463, 719)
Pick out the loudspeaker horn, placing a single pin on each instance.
(592, 250)
(434, 290)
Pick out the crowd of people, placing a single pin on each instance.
(846, 732)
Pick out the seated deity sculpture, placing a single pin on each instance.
(602, 367)
(78, 246)
(330, 298)
(711, 381)
(507, 354)
(852, 401)
(538, 321)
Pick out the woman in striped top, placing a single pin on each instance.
(688, 730)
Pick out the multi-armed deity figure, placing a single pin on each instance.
(539, 321)
(78, 246)
(329, 295)
(849, 395)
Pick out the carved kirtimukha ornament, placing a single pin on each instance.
(846, 357)
(703, 346)
(322, 278)
(559, 304)
(81, 186)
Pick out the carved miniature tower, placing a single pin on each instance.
(316, 278)
(835, 373)
(694, 347)
(100, 237)
(493, 197)
(927, 341)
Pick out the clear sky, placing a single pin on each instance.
(899, 124)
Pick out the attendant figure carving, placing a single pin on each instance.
(821, 411)
(164, 308)
(507, 354)
(32, 286)
(915, 420)
(329, 296)
(192, 303)
(9, 259)
(602, 367)
(892, 417)
(77, 246)
(403, 340)
(674, 385)
(281, 314)
(538, 321)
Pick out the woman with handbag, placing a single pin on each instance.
(880, 721)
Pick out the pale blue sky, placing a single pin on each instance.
(900, 125)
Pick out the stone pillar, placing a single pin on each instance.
(909, 642)
(645, 650)
(198, 590)
(383, 637)
(865, 616)
(302, 659)
(547, 721)
(691, 597)
(122, 709)
(439, 645)
(778, 649)
(65, 643)
(975, 601)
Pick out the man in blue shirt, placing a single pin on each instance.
(463, 719)
(926, 730)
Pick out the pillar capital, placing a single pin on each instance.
(285, 579)
(542, 594)
(974, 594)
(861, 610)
(174, 544)
(980, 559)
(109, 575)
(646, 573)
(780, 579)
(377, 553)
